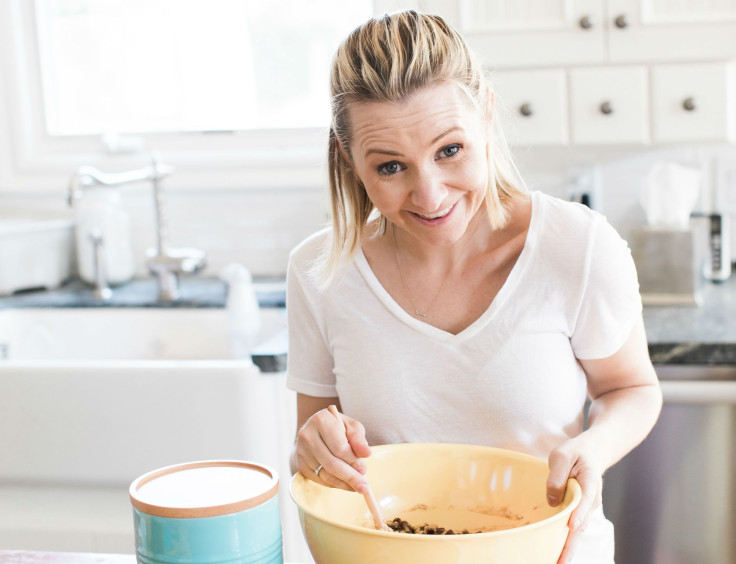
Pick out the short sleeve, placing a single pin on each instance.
(309, 362)
(610, 303)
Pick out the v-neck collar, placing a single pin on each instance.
(508, 287)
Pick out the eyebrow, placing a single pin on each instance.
(397, 154)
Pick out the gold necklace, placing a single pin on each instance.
(417, 313)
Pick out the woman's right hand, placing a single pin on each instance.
(334, 444)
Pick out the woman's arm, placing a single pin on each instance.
(626, 401)
(322, 440)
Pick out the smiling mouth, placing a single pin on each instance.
(441, 213)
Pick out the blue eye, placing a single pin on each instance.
(450, 151)
(387, 169)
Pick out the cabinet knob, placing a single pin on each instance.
(606, 108)
(526, 109)
(586, 22)
(688, 104)
(622, 22)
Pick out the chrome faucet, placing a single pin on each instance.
(163, 262)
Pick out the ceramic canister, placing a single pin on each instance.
(223, 511)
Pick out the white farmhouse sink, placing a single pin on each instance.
(91, 398)
(122, 333)
(100, 395)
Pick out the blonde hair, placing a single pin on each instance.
(386, 60)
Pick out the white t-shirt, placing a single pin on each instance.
(511, 379)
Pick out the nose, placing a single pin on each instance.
(429, 191)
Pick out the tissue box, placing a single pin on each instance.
(667, 265)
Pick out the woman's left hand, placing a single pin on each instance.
(575, 459)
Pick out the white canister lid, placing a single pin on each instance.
(204, 489)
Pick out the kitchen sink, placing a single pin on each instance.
(91, 398)
(89, 334)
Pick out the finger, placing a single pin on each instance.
(308, 466)
(318, 443)
(590, 484)
(355, 433)
(560, 465)
(327, 479)
(333, 450)
(571, 545)
(355, 436)
(339, 461)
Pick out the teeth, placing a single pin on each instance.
(436, 215)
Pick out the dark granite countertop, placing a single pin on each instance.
(695, 335)
(703, 335)
(196, 292)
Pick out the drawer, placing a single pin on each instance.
(695, 102)
(533, 106)
(609, 105)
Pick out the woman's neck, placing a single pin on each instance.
(476, 240)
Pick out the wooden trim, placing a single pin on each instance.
(211, 511)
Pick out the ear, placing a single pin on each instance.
(343, 152)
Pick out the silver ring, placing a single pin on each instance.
(317, 470)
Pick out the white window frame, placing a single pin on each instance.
(32, 161)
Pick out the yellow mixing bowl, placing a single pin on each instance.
(451, 486)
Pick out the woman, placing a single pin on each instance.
(448, 304)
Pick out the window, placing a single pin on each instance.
(188, 65)
(232, 93)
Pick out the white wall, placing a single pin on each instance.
(259, 227)
(254, 227)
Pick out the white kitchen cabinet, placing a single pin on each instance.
(694, 102)
(666, 30)
(593, 72)
(609, 105)
(534, 32)
(533, 106)
(523, 33)
(513, 33)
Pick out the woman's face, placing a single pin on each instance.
(423, 161)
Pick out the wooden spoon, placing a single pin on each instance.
(370, 499)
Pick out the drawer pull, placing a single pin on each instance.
(688, 104)
(606, 108)
(586, 22)
(622, 22)
(526, 109)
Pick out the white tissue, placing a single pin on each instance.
(669, 195)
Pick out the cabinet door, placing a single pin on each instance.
(663, 30)
(517, 33)
(533, 106)
(609, 105)
(693, 102)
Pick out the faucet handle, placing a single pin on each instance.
(168, 265)
(192, 260)
(185, 261)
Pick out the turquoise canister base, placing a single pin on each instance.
(248, 537)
